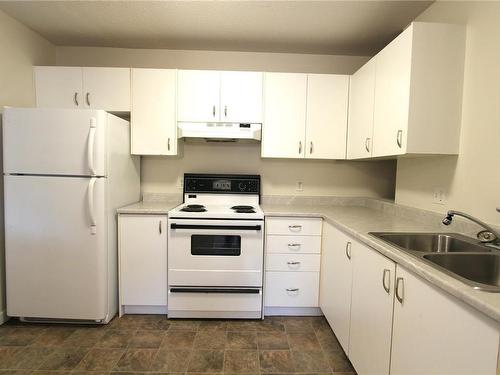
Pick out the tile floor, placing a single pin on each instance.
(152, 343)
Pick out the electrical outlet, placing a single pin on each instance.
(439, 196)
(300, 186)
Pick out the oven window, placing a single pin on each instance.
(220, 245)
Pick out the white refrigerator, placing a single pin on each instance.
(65, 173)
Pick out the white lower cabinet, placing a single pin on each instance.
(292, 263)
(372, 301)
(390, 321)
(143, 263)
(434, 333)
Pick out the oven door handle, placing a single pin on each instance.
(215, 227)
(215, 290)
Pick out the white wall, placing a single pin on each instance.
(162, 174)
(471, 180)
(20, 49)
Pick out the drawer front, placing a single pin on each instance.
(295, 226)
(293, 262)
(291, 289)
(293, 244)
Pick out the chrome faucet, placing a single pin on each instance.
(488, 236)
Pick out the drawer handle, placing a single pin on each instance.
(293, 246)
(295, 228)
(292, 263)
(292, 289)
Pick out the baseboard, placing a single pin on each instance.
(293, 311)
(143, 309)
(3, 316)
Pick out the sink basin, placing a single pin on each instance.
(476, 268)
(433, 242)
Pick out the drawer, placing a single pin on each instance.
(293, 244)
(291, 289)
(304, 226)
(293, 262)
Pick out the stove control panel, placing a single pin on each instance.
(210, 183)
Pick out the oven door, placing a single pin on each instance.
(215, 253)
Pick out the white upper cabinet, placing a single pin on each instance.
(76, 87)
(241, 97)
(198, 95)
(361, 100)
(283, 130)
(153, 114)
(434, 333)
(58, 87)
(107, 88)
(326, 120)
(417, 97)
(213, 96)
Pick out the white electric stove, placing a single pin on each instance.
(216, 248)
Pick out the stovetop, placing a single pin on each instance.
(213, 210)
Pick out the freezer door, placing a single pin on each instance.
(54, 141)
(55, 247)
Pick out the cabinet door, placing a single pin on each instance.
(58, 87)
(107, 88)
(361, 101)
(153, 121)
(198, 95)
(371, 311)
(392, 96)
(283, 131)
(335, 282)
(434, 333)
(143, 260)
(326, 123)
(241, 97)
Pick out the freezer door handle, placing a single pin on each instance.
(90, 195)
(90, 145)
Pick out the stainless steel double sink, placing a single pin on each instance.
(459, 256)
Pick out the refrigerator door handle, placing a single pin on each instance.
(90, 145)
(90, 195)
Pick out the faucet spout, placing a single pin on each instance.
(489, 235)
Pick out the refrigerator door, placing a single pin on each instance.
(45, 141)
(55, 247)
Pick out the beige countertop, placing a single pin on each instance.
(359, 221)
(151, 208)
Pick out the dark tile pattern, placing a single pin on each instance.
(137, 344)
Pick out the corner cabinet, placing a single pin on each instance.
(305, 115)
(82, 88)
(417, 95)
(389, 321)
(142, 253)
(153, 114)
(219, 96)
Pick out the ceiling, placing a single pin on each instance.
(320, 27)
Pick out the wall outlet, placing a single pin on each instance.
(439, 196)
(300, 186)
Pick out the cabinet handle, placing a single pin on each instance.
(87, 98)
(388, 287)
(292, 263)
(168, 144)
(225, 111)
(292, 289)
(295, 228)
(294, 245)
(348, 246)
(75, 99)
(400, 296)
(159, 227)
(300, 147)
(311, 148)
(213, 111)
(367, 144)
(399, 138)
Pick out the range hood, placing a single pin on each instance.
(219, 131)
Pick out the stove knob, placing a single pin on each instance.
(242, 186)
